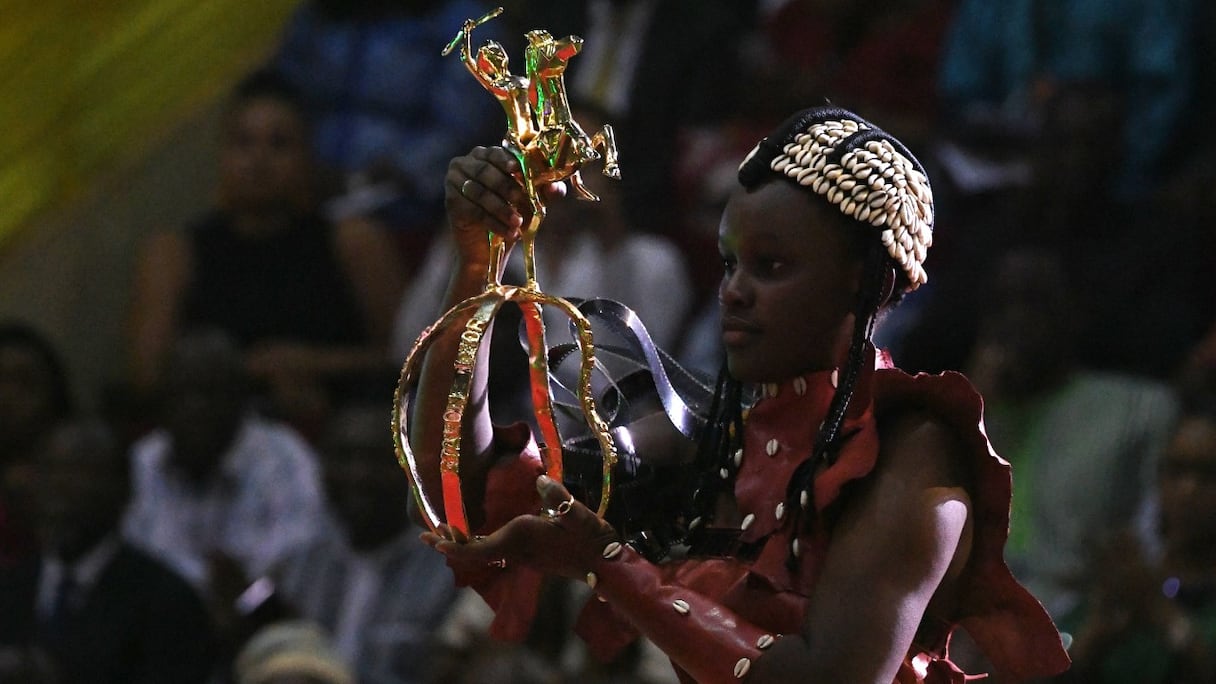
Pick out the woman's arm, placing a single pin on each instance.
(370, 263)
(162, 273)
(897, 541)
(898, 544)
(482, 195)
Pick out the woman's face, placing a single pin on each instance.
(1187, 484)
(265, 161)
(790, 283)
(26, 394)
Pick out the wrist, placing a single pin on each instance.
(470, 271)
(703, 637)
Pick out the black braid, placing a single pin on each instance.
(716, 445)
(868, 296)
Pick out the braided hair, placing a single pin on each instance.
(878, 186)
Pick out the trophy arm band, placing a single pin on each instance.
(701, 636)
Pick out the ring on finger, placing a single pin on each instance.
(464, 187)
(499, 563)
(562, 509)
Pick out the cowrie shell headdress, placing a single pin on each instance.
(872, 182)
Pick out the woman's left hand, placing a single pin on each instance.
(564, 540)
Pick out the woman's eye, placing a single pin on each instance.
(728, 264)
(768, 266)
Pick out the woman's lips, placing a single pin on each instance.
(737, 331)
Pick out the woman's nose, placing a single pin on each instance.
(734, 290)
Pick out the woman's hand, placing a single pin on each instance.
(565, 540)
(483, 191)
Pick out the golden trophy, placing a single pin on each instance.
(550, 146)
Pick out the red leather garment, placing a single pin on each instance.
(1006, 622)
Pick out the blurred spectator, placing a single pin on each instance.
(34, 396)
(492, 662)
(370, 581)
(880, 63)
(1118, 274)
(389, 109)
(591, 249)
(220, 493)
(1192, 168)
(34, 390)
(306, 300)
(1153, 620)
(1197, 375)
(1004, 60)
(292, 652)
(1083, 444)
(26, 666)
(100, 609)
(1116, 252)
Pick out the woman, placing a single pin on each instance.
(35, 394)
(838, 528)
(1152, 617)
(306, 299)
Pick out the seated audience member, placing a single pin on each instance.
(1153, 620)
(306, 300)
(292, 652)
(34, 396)
(101, 610)
(1197, 374)
(1083, 443)
(370, 582)
(25, 666)
(1003, 61)
(495, 662)
(221, 494)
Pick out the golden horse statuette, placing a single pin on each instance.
(550, 146)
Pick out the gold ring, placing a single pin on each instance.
(464, 187)
(562, 509)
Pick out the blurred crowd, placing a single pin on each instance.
(230, 508)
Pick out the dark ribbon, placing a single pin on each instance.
(651, 372)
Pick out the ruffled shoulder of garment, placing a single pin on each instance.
(1008, 624)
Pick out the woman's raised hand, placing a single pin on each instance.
(483, 192)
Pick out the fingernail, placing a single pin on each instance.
(515, 221)
(543, 481)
